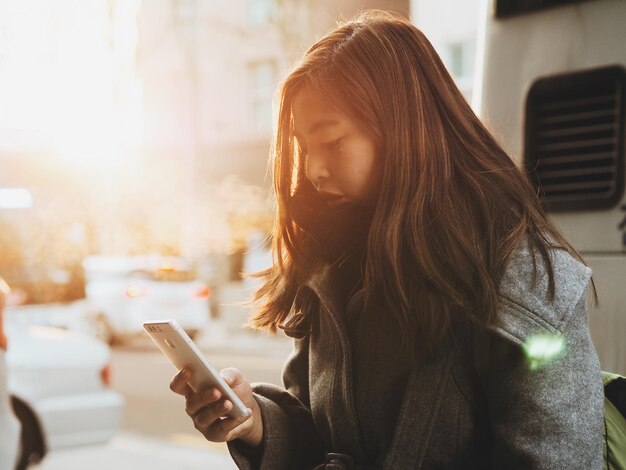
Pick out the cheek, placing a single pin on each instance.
(366, 168)
(373, 179)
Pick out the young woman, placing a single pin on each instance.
(417, 273)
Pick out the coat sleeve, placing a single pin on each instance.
(545, 401)
(289, 436)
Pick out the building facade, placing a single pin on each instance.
(211, 105)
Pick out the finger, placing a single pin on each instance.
(209, 414)
(232, 377)
(222, 428)
(203, 399)
(179, 383)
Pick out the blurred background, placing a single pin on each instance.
(134, 185)
(132, 128)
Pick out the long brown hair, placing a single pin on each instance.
(452, 207)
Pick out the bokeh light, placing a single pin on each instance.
(543, 349)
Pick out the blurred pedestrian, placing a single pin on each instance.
(439, 317)
(9, 425)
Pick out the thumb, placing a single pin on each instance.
(232, 376)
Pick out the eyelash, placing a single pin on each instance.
(332, 146)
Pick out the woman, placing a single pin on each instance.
(417, 272)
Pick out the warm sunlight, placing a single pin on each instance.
(67, 80)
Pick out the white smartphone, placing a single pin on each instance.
(172, 340)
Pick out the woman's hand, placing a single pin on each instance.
(208, 409)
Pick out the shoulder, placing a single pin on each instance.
(526, 307)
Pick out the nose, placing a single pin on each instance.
(316, 170)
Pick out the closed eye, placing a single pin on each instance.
(332, 145)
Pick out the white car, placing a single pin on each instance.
(59, 385)
(123, 292)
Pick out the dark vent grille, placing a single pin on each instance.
(574, 143)
(507, 8)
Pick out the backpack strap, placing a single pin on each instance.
(615, 390)
(614, 432)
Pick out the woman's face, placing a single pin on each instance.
(341, 158)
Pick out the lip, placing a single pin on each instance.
(333, 199)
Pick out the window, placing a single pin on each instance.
(262, 82)
(260, 12)
(459, 57)
(185, 10)
(506, 8)
(15, 198)
(574, 138)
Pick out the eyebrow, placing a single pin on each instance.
(318, 126)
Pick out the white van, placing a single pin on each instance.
(553, 91)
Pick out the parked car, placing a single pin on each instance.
(123, 292)
(44, 283)
(47, 296)
(59, 385)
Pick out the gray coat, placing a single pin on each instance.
(494, 409)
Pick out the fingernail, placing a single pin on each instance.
(248, 412)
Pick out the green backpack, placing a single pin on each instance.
(614, 433)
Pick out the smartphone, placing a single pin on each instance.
(172, 340)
